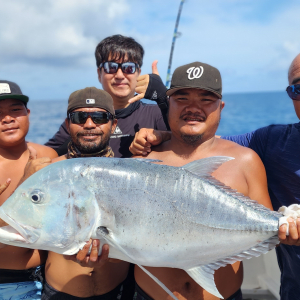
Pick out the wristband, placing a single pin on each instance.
(156, 91)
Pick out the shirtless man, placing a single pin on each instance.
(282, 165)
(90, 123)
(17, 265)
(195, 107)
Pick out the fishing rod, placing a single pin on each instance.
(175, 35)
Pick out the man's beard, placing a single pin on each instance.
(192, 140)
(89, 146)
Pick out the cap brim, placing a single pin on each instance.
(23, 98)
(173, 90)
(84, 106)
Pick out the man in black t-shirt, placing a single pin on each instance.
(119, 60)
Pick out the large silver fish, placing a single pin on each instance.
(150, 215)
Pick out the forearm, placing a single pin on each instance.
(156, 91)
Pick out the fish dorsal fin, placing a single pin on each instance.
(111, 241)
(202, 214)
(205, 166)
(204, 275)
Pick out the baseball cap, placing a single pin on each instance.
(10, 90)
(91, 97)
(196, 75)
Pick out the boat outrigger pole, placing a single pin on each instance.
(175, 35)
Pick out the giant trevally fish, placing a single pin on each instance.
(150, 214)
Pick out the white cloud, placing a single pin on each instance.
(51, 43)
(49, 30)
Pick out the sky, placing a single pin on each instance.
(47, 47)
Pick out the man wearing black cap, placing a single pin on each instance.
(277, 146)
(90, 122)
(19, 267)
(195, 107)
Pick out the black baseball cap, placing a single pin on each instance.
(91, 97)
(10, 90)
(196, 75)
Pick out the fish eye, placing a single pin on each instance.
(36, 196)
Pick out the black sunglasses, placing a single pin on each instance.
(111, 67)
(294, 91)
(98, 117)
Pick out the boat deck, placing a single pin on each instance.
(261, 278)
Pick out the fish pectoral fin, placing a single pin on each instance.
(158, 282)
(104, 232)
(204, 276)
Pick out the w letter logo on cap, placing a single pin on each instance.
(195, 72)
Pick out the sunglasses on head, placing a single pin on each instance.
(111, 67)
(294, 91)
(98, 117)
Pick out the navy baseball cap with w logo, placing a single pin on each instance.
(10, 90)
(196, 75)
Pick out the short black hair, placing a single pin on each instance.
(116, 47)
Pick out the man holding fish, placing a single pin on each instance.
(195, 107)
(90, 123)
(277, 147)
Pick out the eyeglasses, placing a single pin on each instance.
(294, 91)
(111, 67)
(98, 117)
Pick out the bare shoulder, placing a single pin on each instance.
(238, 152)
(246, 173)
(43, 151)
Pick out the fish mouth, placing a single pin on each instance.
(17, 232)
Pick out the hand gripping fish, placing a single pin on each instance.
(150, 215)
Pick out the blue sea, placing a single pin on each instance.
(242, 113)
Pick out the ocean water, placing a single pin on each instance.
(242, 113)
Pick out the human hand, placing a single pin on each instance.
(92, 260)
(142, 84)
(5, 185)
(293, 239)
(147, 137)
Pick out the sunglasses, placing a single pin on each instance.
(111, 67)
(98, 117)
(294, 91)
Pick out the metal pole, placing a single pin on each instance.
(175, 35)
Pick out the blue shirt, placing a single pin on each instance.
(279, 149)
